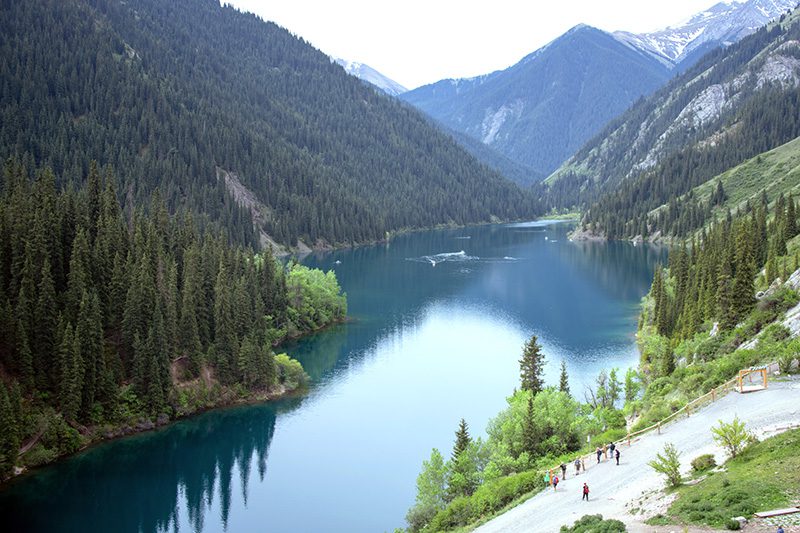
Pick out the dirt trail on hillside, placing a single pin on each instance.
(616, 491)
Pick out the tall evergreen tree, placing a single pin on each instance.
(563, 380)
(531, 366)
(72, 372)
(463, 439)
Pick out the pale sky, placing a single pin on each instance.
(416, 42)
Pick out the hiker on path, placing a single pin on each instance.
(577, 466)
(780, 529)
(555, 483)
(599, 453)
(583, 464)
(546, 479)
(617, 456)
(605, 452)
(611, 447)
(585, 492)
(563, 471)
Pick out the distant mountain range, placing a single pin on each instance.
(372, 76)
(541, 110)
(720, 25)
(734, 104)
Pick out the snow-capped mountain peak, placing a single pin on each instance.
(721, 24)
(370, 75)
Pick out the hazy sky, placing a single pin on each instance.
(416, 42)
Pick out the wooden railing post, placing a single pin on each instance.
(629, 439)
(659, 428)
(714, 394)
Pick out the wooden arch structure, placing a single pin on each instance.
(745, 382)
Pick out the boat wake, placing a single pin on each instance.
(454, 257)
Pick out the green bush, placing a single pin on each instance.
(775, 332)
(38, 456)
(487, 499)
(733, 525)
(290, 372)
(595, 524)
(704, 462)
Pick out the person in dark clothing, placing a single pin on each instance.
(612, 447)
(599, 452)
(616, 455)
(577, 466)
(563, 471)
(585, 492)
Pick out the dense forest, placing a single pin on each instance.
(108, 318)
(714, 278)
(167, 92)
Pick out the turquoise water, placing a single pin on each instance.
(439, 319)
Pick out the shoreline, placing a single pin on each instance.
(286, 252)
(106, 433)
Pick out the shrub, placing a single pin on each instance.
(487, 499)
(775, 332)
(704, 462)
(290, 372)
(733, 437)
(595, 524)
(668, 464)
(39, 455)
(733, 525)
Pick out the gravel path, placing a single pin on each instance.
(630, 492)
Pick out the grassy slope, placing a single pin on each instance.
(764, 477)
(776, 171)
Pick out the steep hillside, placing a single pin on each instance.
(542, 109)
(170, 91)
(736, 103)
(767, 176)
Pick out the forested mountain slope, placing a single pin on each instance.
(734, 104)
(169, 91)
(545, 107)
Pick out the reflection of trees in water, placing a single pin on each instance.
(620, 268)
(319, 352)
(138, 484)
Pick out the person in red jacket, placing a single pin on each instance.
(585, 492)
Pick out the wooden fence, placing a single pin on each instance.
(709, 397)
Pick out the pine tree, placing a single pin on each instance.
(224, 333)
(44, 328)
(563, 382)
(531, 366)
(79, 278)
(791, 219)
(71, 374)
(89, 334)
(9, 434)
(743, 288)
(188, 330)
(725, 305)
(529, 436)
(463, 439)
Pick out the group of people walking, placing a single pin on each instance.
(604, 452)
(552, 480)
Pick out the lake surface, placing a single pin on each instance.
(439, 320)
